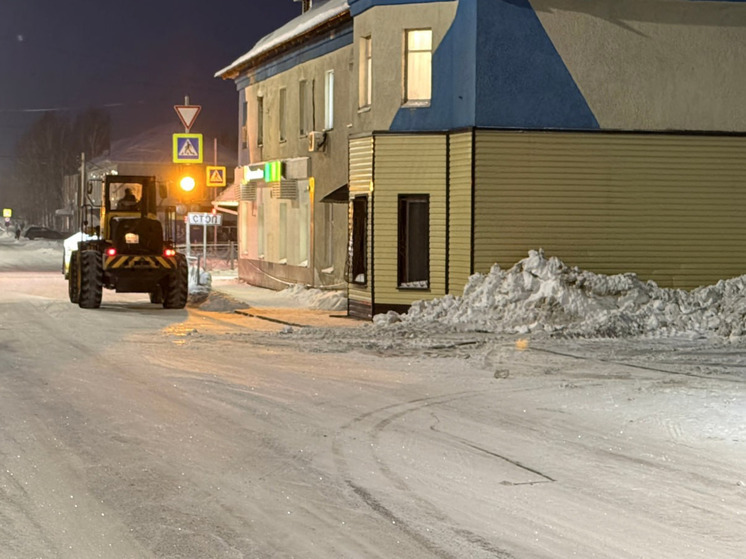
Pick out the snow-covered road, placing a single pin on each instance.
(131, 431)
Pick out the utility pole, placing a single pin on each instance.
(81, 193)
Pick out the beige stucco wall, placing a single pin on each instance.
(654, 64)
(386, 25)
(327, 168)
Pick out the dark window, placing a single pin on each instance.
(283, 115)
(305, 106)
(359, 240)
(244, 120)
(414, 241)
(259, 121)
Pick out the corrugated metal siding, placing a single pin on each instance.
(408, 164)
(360, 179)
(361, 165)
(460, 177)
(671, 208)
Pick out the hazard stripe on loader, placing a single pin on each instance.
(125, 262)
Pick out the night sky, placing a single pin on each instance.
(135, 58)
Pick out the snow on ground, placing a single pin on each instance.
(539, 295)
(22, 254)
(298, 295)
(544, 295)
(317, 298)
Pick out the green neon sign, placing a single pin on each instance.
(273, 171)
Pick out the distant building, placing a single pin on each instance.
(151, 153)
(609, 133)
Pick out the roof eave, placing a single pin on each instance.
(236, 69)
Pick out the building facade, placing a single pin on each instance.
(609, 133)
(294, 115)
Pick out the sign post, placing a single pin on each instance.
(204, 219)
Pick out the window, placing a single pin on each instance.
(329, 100)
(304, 233)
(243, 223)
(305, 106)
(365, 78)
(125, 196)
(283, 111)
(260, 232)
(359, 240)
(259, 121)
(418, 66)
(328, 235)
(283, 234)
(414, 241)
(244, 119)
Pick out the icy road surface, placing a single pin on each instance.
(134, 432)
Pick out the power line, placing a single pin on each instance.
(58, 109)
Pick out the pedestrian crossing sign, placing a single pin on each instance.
(215, 176)
(188, 148)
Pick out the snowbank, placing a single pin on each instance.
(542, 294)
(313, 298)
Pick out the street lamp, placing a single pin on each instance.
(187, 183)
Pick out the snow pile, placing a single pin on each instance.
(313, 298)
(542, 294)
(200, 285)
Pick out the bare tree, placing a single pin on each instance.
(91, 132)
(49, 151)
(41, 162)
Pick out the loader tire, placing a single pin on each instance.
(73, 278)
(176, 286)
(91, 279)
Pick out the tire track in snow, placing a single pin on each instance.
(376, 422)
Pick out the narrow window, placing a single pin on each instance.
(414, 241)
(328, 235)
(260, 233)
(244, 119)
(329, 100)
(304, 234)
(305, 106)
(283, 115)
(365, 78)
(244, 224)
(418, 66)
(259, 121)
(359, 240)
(283, 234)
(302, 85)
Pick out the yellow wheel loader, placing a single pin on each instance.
(127, 251)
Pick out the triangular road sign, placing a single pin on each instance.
(215, 176)
(187, 114)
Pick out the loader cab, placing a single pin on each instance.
(127, 197)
